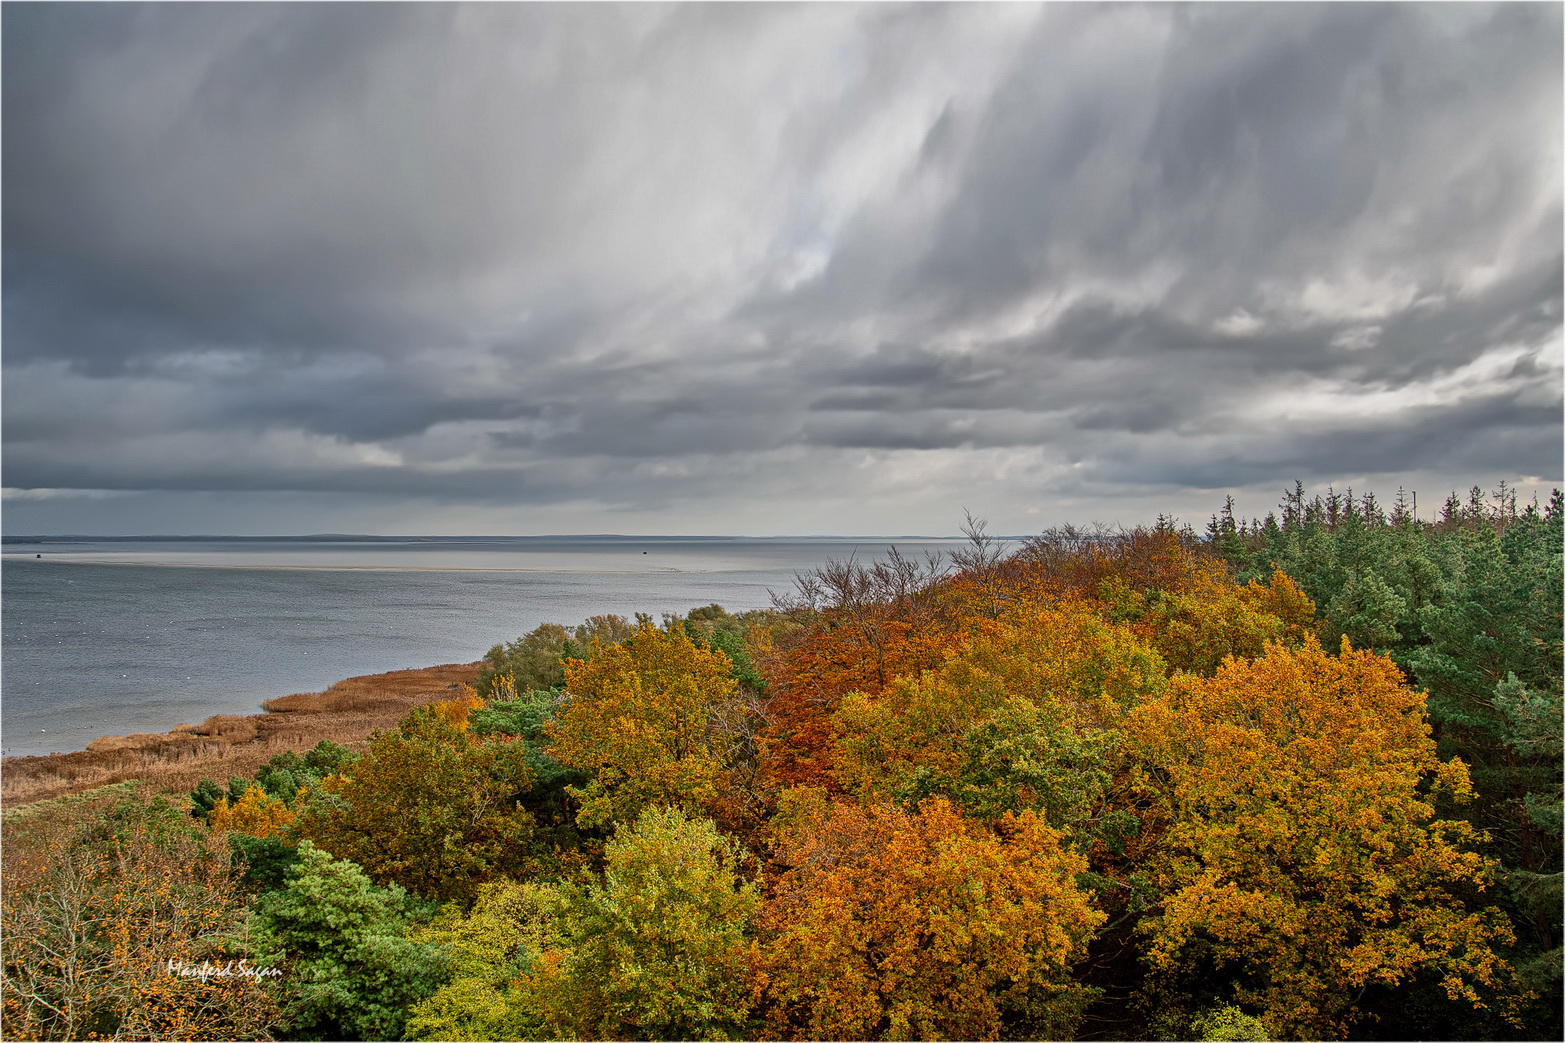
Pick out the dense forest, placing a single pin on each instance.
(1290, 777)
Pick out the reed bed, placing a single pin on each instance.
(225, 745)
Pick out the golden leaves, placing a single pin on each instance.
(639, 718)
(255, 813)
(1301, 842)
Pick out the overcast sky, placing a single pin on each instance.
(809, 269)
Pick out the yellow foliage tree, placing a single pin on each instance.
(1023, 717)
(494, 950)
(1211, 617)
(1300, 854)
(639, 719)
(255, 813)
(455, 711)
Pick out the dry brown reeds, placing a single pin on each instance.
(303, 702)
(226, 745)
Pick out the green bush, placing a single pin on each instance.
(349, 969)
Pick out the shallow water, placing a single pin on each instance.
(107, 637)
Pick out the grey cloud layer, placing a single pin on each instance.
(680, 257)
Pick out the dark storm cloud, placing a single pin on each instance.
(171, 183)
(679, 259)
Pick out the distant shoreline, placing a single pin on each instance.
(597, 537)
(342, 568)
(348, 713)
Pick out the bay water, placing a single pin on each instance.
(112, 636)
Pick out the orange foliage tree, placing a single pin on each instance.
(640, 717)
(1178, 596)
(1301, 857)
(860, 627)
(1068, 561)
(129, 928)
(897, 924)
(1023, 717)
(865, 627)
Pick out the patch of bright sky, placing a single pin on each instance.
(1491, 373)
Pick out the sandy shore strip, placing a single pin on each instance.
(228, 745)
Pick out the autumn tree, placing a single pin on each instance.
(858, 628)
(639, 720)
(1211, 617)
(256, 813)
(1067, 560)
(1023, 717)
(429, 806)
(888, 923)
(741, 800)
(108, 926)
(288, 772)
(494, 950)
(1302, 862)
(658, 948)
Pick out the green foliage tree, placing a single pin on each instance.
(286, 774)
(556, 842)
(281, 778)
(349, 970)
(658, 948)
(537, 658)
(1229, 1024)
(527, 718)
(531, 661)
(713, 626)
(262, 862)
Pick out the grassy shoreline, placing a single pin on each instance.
(227, 744)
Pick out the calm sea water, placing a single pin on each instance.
(116, 636)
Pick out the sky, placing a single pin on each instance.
(770, 269)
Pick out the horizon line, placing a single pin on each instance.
(36, 537)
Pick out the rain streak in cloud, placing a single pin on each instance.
(770, 269)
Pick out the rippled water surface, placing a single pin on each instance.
(116, 636)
